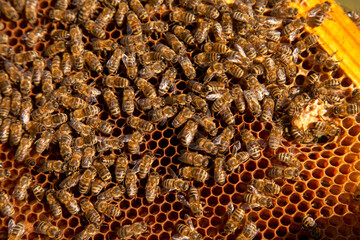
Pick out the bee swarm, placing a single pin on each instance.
(107, 104)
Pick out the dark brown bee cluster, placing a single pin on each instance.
(189, 66)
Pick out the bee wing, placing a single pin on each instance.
(172, 173)
(125, 138)
(314, 11)
(274, 22)
(213, 96)
(11, 226)
(189, 222)
(179, 237)
(240, 50)
(275, 33)
(183, 200)
(230, 209)
(218, 139)
(136, 164)
(125, 60)
(193, 146)
(295, 54)
(245, 206)
(292, 35)
(236, 147)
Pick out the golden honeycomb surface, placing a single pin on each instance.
(329, 174)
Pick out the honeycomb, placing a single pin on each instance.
(330, 170)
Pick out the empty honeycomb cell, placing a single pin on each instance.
(345, 198)
(224, 200)
(335, 189)
(355, 148)
(265, 214)
(295, 198)
(335, 161)
(211, 232)
(317, 173)
(326, 211)
(216, 221)
(281, 231)
(354, 131)
(294, 228)
(256, 126)
(246, 177)
(212, 201)
(309, 165)
(340, 179)
(269, 234)
(300, 186)
(330, 146)
(340, 151)
(344, 230)
(354, 176)
(290, 209)
(32, 218)
(173, 216)
(346, 82)
(351, 157)
(340, 209)
(308, 195)
(37, 208)
(161, 217)
(331, 171)
(263, 163)
(347, 141)
(322, 192)
(330, 200)
(236, 198)
(335, 220)
(317, 203)
(273, 223)
(313, 184)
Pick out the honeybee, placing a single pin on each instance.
(324, 129)
(77, 51)
(6, 207)
(32, 37)
(70, 181)
(92, 61)
(119, 16)
(114, 193)
(121, 168)
(107, 209)
(187, 231)
(165, 51)
(323, 58)
(38, 191)
(139, 10)
(194, 159)
(24, 147)
(64, 16)
(250, 142)
(268, 110)
(55, 48)
(56, 166)
(152, 70)
(9, 12)
(236, 158)
(266, 186)
(293, 27)
(86, 11)
(5, 130)
(202, 30)
(105, 17)
(56, 72)
(157, 26)
(206, 59)
(89, 111)
(132, 230)
(204, 144)
(175, 43)
(253, 103)
(80, 128)
(90, 212)
(218, 32)
(116, 82)
(219, 170)
(185, 114)
(151, 103)
(104, 45)
(234, 218)
(187, 67)
(88, 157)
(140, 124)
(74, 163)
(128, 105)
(5, 85)
(66, 63)
(13, 71)
(89, 231)
(194, 173)
(307, 42)
(288, 159)
(246, 46)
(114, 62)
(59, 34)
(47, 85)
(15, 231)
(55, 120)
(97, 186)
(187, 134)
(275, 137)
(134, 140)
(299, 102)
(319, 13)
(184, 35)
(112, 102)
(182, 17)
(16, 132)
(102, 126)
(256, 199)
(239, 99)
(68, 200)
(20, 190)
(134, 23)
(94, 29)
(25, 57)
(227, 25)
(222, 102)
(310, 225)
(199, 103)
(65, 142)
(46, 228)
(218, 70)
(175, 183)
(194, 202)
(222, 141)
(290, 173)
(4, 173)
(152, 189)
(131, 65)
(102, 171)
(249, 232)
(5, 50)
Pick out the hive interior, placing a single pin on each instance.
(330, 171)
